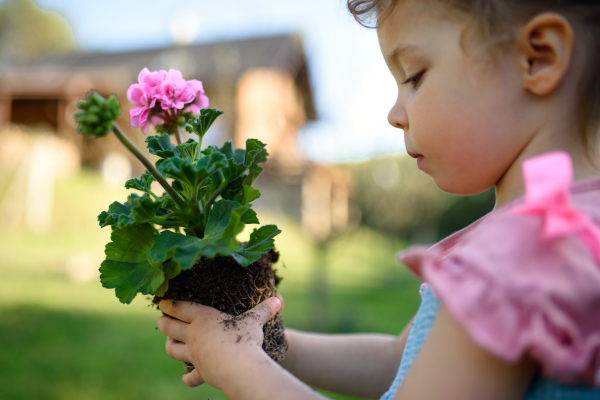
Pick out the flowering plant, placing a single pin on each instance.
(206, 205)
(165, 100)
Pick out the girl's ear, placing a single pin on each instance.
(545, 46)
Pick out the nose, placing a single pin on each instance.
(397, 116)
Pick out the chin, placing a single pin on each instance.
(462, 187)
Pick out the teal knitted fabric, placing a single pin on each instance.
(541, 388)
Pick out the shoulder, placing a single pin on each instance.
(516, 250)
(451, 360)
(526, 280)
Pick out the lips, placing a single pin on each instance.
(414, 155)
(418, 156)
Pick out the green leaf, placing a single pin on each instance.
(171, 269)
(233, 188)
(255, 152)
(209, 190)
(253, 173)
(247, 195)
(247, 215)
(209, 150)
(130, 244)
(226, 149)
(237, 155)
(261, 241)
(111, 216)
(166, 243)
(233, 171)
(127, 268)
(239, 161)
(189, 173)
(169, 204)
(143, 183)
(177, 187)
(200, 125)
(161, 146)
(137, 210)
(143, 209)
(224, 219)
(186, 251)
(212, 162)
(188, 149)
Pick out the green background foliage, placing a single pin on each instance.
(20, 42)
(69, 340)
(64, 340)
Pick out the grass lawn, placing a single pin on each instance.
(65, 337)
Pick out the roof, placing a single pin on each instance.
(209, 62)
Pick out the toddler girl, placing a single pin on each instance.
(502, 93)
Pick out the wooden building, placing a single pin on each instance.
(262, 84)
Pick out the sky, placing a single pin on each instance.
(352, 87)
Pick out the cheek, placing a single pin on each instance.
(437, 117)
(462, 130)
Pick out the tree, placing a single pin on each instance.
(28, 33)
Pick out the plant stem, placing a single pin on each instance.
(178, 135)
(153, 195)
(198, 148)
(138, 154)
(215, 194)
(171, 224)
(195, 201)
(164, 217)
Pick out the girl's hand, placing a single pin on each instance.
(212, 340)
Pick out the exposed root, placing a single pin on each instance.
(222, 284)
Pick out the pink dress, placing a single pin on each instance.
(525, 279)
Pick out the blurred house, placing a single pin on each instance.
(46, 92)
(262, 84)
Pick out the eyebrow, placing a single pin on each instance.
(399, 50)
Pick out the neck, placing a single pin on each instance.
(511, 186)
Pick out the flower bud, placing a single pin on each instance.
(96, 114)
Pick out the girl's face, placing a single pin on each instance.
(462, 115)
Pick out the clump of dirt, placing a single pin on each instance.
(223, 284)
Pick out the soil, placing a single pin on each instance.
(223, 284)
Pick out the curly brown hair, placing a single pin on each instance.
(495, 22)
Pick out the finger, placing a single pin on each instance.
(177, 350)
(282, 303)
(267, 309)
(182, 310)
(173, 328)
(192, 379)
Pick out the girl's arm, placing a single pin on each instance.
(361, 365)
(451, 367)
(227, 354)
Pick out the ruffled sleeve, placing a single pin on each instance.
(526, 281)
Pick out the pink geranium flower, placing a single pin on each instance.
(201, 100)
(175, 92)
(138, 117)
(170, 90)
(151, 81)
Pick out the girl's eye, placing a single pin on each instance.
(415, 80)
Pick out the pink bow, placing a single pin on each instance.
(547, 181)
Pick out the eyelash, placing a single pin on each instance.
(415, 80)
